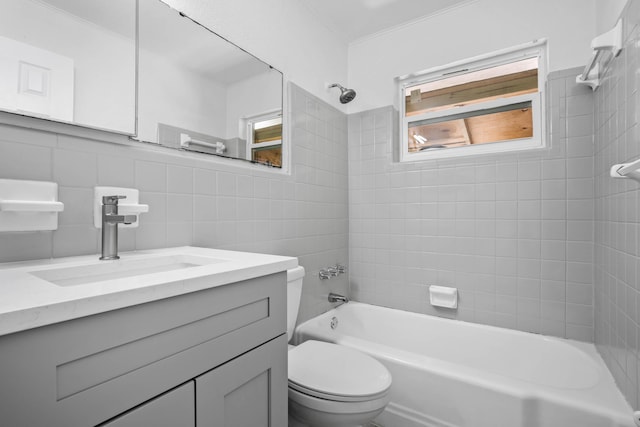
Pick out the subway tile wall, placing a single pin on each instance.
(194, 201)
(513, 232)
(617, 213)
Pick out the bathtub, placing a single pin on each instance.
(449, 373)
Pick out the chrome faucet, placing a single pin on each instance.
(110, 221)
(338, 298)
(330, 272)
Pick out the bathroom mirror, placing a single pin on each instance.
(199, 92)
(70, 61)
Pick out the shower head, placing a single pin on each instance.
(347, 95)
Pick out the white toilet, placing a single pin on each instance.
(330, 385)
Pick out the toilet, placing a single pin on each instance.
(330, 385)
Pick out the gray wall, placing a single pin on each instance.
(194, 201)
(513, 232)
(617, 213)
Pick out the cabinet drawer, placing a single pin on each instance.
(85, 371)
(173, 409)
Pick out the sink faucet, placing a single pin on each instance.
(338, 298)
(110, 221)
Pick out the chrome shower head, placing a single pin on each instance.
(347, 95)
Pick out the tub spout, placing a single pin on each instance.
(338, 298)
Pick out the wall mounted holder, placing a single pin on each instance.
(29, 205)
(626, 170)
(610, 42)
(186, 141)
(441, 296)
(128, 206)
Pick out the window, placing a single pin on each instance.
(264, 139)
(487, 104)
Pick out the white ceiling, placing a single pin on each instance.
(193, 47)
(165, 33)
(353, 19)
(115, 15)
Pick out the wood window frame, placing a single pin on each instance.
(535, 49)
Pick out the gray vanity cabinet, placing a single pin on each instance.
(246, 391)
(123, 367)
(172, 409)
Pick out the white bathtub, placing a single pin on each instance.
(449, 373)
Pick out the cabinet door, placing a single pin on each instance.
(173, 409)
(250, 390)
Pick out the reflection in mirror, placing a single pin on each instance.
(198, 92)
(69, 61)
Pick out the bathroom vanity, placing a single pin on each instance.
(165, 338)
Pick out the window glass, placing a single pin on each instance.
(267, 131)
(488, 104)
(264, 139)
(507, 80)
(268, 156)
(513, 121)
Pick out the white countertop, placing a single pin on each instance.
(28, 301)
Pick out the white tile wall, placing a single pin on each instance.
(617, 213)
(513, 232)
(197, 202)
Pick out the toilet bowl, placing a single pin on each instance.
(330, 385)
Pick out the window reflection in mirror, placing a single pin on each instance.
(264, 139)
(198, 92)
(69, 61)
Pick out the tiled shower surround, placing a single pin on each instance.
(542, 241)
(617, 213)
(513, 232)
(194, 201)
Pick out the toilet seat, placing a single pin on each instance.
(333, 397)
(336, 373)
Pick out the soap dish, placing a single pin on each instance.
(441, 296)
(29, 205)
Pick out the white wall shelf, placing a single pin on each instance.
(186, 141)
(629, 170)
(606, 47)
(29, 205)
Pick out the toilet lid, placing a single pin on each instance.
(332, 370)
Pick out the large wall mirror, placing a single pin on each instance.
(70, 61)
(74, 61)
(199, 92)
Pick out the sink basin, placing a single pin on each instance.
(123, 268)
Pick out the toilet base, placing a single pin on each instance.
(295, 423)
(302, 416)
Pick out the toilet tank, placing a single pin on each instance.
(294, 292)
